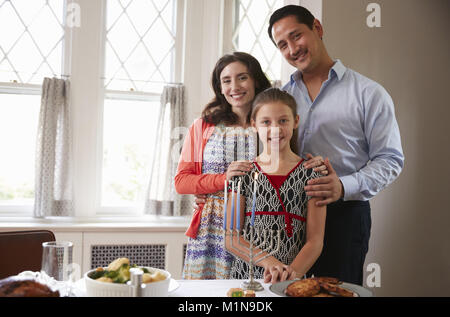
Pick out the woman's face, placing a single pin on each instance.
(275, 124)
(237, 86)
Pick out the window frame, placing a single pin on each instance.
(88, 187)
(16, 210)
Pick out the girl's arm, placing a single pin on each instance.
(315, 230)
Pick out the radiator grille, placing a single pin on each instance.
(152, 255)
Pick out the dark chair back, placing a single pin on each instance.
(22, 251)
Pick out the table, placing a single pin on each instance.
(199, 288)
(213, 288)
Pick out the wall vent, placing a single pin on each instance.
(152, 255)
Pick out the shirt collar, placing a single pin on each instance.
(338, 69)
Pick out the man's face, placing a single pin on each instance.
(299, 45)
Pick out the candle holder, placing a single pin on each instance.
(266, 241)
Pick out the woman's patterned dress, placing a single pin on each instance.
(281, 203)
(206, 257)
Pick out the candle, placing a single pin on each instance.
(238, 207)
(225, 198)
(252, 221)
(232, 206)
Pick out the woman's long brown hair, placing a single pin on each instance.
(219, 110)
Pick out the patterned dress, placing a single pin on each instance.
(281, 203)
(206, 257)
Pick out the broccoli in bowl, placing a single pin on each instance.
(118, 271)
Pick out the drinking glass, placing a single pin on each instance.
(57, 259)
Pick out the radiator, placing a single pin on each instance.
(151, 255)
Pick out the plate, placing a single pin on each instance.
(279, 288)
(173, 285)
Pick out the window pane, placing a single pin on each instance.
(128, 140)
(139, 47)
(250, 34)
(19, 115)
(31, 40)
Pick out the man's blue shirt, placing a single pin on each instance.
(351, 121)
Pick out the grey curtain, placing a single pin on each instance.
(53, 184)
(161, 197)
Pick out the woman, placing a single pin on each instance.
(219, 145)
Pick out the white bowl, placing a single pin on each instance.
(102, 289)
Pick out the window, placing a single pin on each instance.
(139, 61)
(118, 55)
(31, 48)
(251, 18)
(31, 41)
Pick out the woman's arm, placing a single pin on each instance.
(315, 230)
(188, 182)
(189, 179)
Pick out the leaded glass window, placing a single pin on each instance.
(250, 33)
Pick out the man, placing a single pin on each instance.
(351, 120)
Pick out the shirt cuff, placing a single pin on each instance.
(351, 187)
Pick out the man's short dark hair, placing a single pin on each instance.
(302, 14)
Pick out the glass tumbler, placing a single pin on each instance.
(57, 259)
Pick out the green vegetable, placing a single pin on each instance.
(121, 275)
(96, 274)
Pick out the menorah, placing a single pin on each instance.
(265, 242)
(261, 243)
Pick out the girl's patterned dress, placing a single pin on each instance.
(206, 257)
(281, 203)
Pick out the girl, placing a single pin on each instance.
(281, 200)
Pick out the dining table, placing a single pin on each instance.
(199, 288)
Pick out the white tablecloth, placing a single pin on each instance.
(213, 288)
(199, 288)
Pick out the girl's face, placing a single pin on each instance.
(237, 85)
(275, 124)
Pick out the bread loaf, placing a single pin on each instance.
(11, 287)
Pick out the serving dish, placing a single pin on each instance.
(96, 288)
(359, 291)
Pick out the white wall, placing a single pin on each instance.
(409, 55)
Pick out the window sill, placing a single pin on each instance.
(143, 223)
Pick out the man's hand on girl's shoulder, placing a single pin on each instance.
(328, 187)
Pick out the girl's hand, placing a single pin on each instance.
(238, 168)
(317, 163)
(278, 272)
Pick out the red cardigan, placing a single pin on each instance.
(189, 178)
